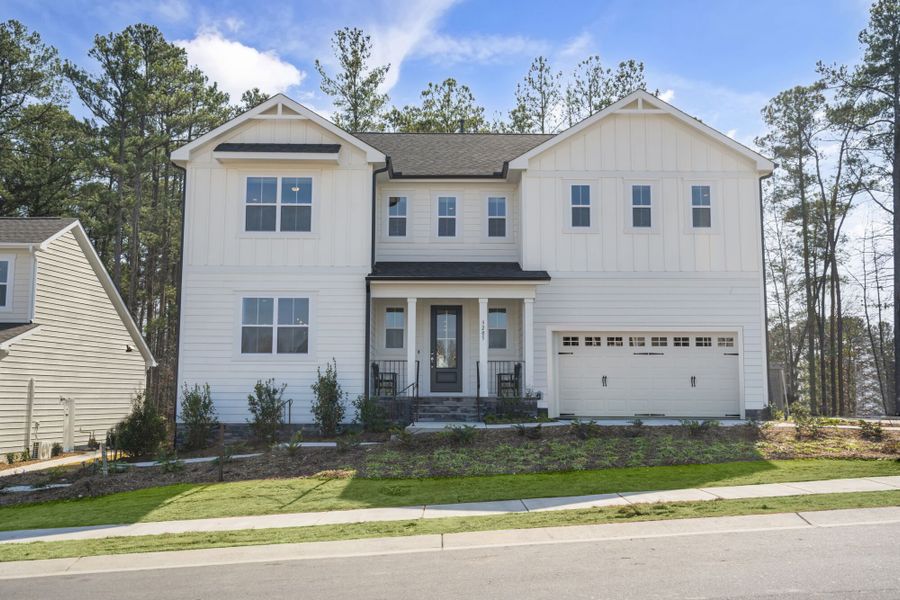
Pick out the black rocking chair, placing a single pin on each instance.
(508, 384)
(385, 383)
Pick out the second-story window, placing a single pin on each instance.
(273, 207)
(397, 216)
(641, 206)
(701, 209)
(4, 283)
(581, 205)
(446, 216)
(497, 217)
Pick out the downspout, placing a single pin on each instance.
(178, 286)
(375, 174)
(765, 298)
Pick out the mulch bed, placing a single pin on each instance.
(488, 452)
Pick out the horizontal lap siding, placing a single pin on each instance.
(78, 352)
(607, 302)
(18, 307)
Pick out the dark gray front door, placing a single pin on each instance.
(446, 342)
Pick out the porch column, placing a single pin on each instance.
(483, 346)
(528, 340)
(411, 343)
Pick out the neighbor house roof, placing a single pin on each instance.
(10, 331)
(454, 271)
(249, 147)
(424, 155)
(27, 231)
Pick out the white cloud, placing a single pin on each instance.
(237, 68)
(480, 49)
(173, 10)
(732, 133)
(578, 47)
(667, 95)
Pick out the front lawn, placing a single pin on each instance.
(593, 516)
(274, 496)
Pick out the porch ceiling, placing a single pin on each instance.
(411, 271)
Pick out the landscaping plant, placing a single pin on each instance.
(805, 423)
(143, 431)
(198, 415)
(370, 415)
(56, 449)
(328, 407)
(871, 431)
(462, 435)
(293, 446)
(584, 429)
(266, 410)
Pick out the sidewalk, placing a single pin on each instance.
(449, 542)
(49, 464)
(437, 511)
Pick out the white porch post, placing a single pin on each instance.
(483, 346)
(528, 340)
(411, 343)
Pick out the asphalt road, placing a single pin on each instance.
(834, 563)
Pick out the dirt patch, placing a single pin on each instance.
(486, 452)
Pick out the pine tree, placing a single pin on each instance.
(446, 107)
(538, 100)
(593, 87)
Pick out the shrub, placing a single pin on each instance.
(520, 429)
(348, 442)
(168, 462)
(265, 407)
(198, 415)
(462, 435)
(370, 415)
(636, 429)
(10, 458)
(26, 455)
(805, 424)
(56, 449)
(584, 429)
(293, 446)
(534, 433)
(871, 431)
(328, 407)
(404, 437)
(143, 431)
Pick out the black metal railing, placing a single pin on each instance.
(397, 393)
(506, 378)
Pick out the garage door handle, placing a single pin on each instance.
(693, 381)
(604, 381)
(565, 353)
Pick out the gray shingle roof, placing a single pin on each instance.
(312, 148)
(451, 154)
(32, 230)
(454, 271)
(10, 330)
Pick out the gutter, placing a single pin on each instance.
(179, 284)
(765, 298)
(375, 173)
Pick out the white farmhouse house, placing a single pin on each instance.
(71, 357)
(615, 267)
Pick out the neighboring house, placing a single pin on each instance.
(615, 267)
(71, 357)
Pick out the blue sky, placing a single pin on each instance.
(720, 60)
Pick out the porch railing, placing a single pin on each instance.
(506, 378)
(395, 391)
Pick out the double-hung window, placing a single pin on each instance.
(5, 281)
(497, 217)
(397, 216)
(701, 209)
(273, 205)
(446, 216)
(497, 326)
(265, 330)
(641, 206)
(394, 323)
(581, 205)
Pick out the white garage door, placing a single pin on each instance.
(622, 374)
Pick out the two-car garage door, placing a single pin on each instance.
(626, 374)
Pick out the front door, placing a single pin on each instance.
(446, 341)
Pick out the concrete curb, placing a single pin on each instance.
(448, 542)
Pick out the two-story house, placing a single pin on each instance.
(615, 267)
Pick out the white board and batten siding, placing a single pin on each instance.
(670, 278)
(224, 264)
(79, 352)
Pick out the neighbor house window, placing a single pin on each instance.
(701, 215)
(581, 205)
(270, 206)
(641, 206)
(497, 323)
(263, 333)
(397, 216)
(394, 323)
(497, 217)
(446, 216)
(5, 277)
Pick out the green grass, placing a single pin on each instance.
(645, 512)
(274, 496)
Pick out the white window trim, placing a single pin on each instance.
(10, 282)
(715, 208)
(310, 355)
(313, 217)
(386, 233)
(487, 218)
(594, 206)
(655, 207)
(437, 217)
(384, 329)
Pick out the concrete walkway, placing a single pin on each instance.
(438, 511)
(49, 464)
(449, 542)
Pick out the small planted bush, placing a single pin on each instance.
(370, 415)
(293, 446)
(461, 435)
(328, 406)
(56, 449)
(198, 415)
(404, 437)
(266, 410)
(698, 428)
(584, 429)
(143, 431)
(870, 431)
(805, 424)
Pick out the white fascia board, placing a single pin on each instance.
(4, 347)
(277, 156)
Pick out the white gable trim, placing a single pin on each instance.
(183, 154)
(763, 164)
(5, 346)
